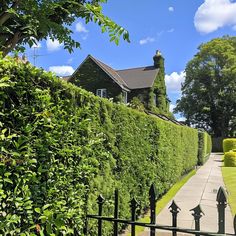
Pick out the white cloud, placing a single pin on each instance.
(174, 80)
(81, 28)
(171, 9)
(53, 45)
(181, 119)
(171, 30)
(37, 45)
(85, 37)
(70, 60)
(215, 14)
(146, 40)
(62, 70)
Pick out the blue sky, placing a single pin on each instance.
(175, 27)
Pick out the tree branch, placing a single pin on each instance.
(6, 15)
(11, 43)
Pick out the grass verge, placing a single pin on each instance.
(229, 175)
(161, 203)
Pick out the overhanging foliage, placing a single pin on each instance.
(24, 22)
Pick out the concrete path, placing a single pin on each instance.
(200, 189)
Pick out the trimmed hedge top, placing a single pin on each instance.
(61, 146)
(229, 144)
(230, 159)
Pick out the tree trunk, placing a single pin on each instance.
(11, 43)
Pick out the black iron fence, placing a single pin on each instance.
(174, 210)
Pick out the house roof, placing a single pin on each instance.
(128, 79)
(111, 72)
(138, 78)
(108, 70)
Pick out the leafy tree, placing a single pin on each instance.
(28, 21)
(209, 91)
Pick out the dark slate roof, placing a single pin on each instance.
(111, 72)
(135, 78)
(138, 78)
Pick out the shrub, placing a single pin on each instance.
(61, 146)
(229, 144)
(204, 147)
(230, 159)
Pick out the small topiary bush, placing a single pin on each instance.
(229, 144)
(230, 159)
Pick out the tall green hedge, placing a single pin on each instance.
(204, 147)
(61, 146)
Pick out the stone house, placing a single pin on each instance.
(145, 83)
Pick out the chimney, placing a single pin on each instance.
(157, 59)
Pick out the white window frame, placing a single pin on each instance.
(101, 92)
(155, 99)
(125, 97)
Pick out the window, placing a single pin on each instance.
(125, 97)
(101, 93)
(154, 99)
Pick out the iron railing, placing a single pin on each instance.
(174, 210)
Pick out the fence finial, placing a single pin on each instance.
(197, 211)
(221, 196)
(100, 199)
(174, 207)
(133, 205)
(222, 203)
(197, 214)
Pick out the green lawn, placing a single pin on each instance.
(161, 203)
(229, 175)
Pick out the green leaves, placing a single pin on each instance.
(211, 81)
(5, 82)
(30, 21)
(106, 24)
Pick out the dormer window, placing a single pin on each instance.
(101, 92)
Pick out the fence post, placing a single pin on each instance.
(152, 199)
(100, 201)
(174, 209)
(222, 203)
(133, 205)
(116, 212)
(197, 214)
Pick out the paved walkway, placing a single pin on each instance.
(200, 189)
